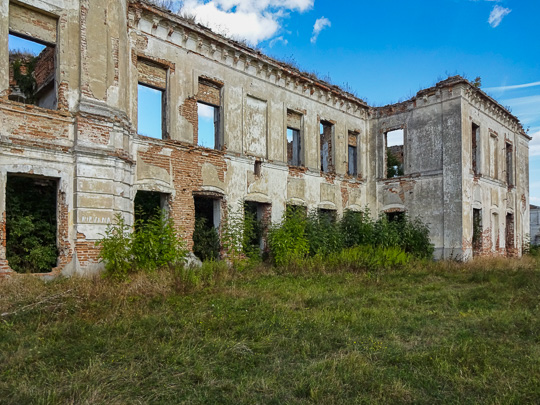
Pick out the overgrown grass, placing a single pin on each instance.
(422, 333)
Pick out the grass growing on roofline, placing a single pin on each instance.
(429, 333)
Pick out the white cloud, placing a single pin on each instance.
(320, 24)
(276, 40)
(497, 14)
(250, 20)
(514, 87)
(534, 145)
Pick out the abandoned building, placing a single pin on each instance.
(233, 126)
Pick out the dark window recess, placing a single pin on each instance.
(395, 216)
(206, 244)
(327, 215)
(31, 223)
(32, 72)
(475, 139)
(509, 165)
(477, 230)
(509, 233)
(254, 228)
(326, 130)
(257, 168)
(394, 141)
(148, 204)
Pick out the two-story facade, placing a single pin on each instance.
(235, 126)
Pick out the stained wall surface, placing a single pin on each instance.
(90, 141)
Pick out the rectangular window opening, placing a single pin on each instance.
(31, 223)
(493, 156)
(326, 130)
(327, 215)
(256, 221)
(495, 243)
(509, 165)
(475, 138)
(208, 114)
(208, 125)
(352, 154)
(32, 71)
(294, 139)
(509, 234)
(477, 231)
(148, 204)
(394, 141)
(206, 243)
(395, 216)
(150, 114)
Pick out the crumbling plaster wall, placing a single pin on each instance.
(429, 188)
(488, 190)
(249, 87)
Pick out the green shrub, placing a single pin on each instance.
(356, 228)
(153, 244)
(323, 233)
(287, 240)
(206, 243)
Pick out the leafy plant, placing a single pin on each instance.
(115, 250)
(288, 240)
(205, 240)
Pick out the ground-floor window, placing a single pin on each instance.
(31, 223)
(206, 244)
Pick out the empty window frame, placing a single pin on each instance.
(206, 243)
(294, 138)
(326, 143)
(327, 215)
(32, 57)
(148, 204)
(352, 154)
(495, 231)
(256, 221)
(509, 233)
(509, 165)
(475, 148)
(493, 156)
(31, 223)
(394, 142)
(208, 114)
(151, 99)
(395, 216)
(477, 230)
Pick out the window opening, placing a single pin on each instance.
(208, 114)
(293, 209)
(352, 154)
(326, 130)
(151, 102)
(394, 141)
(206, 244)
(509, 165)
(294, 140)
(32, 72)
(509, 233)
(327, 215)
(493, 157)
(256, 219)
(150, 111)
(395, 216)
(495, 231)
(148, 204)
(31, 223)
(475, 137)
(477, 230)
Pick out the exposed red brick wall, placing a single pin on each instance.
(45, 66)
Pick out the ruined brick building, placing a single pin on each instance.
(278, 136)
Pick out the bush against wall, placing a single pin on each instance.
(152, 244)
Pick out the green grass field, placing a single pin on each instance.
(432, 333)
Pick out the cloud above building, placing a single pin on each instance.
(319, 25)
(497, 15)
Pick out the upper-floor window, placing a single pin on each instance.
(493, 156)
(352, 154)
(208, 114)
(294, 138)
(326, 143)
(509, 165)
(151, 99)
(32, 57)
(394, 142)
(475, 148)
